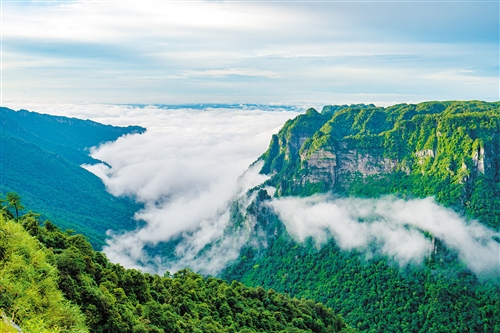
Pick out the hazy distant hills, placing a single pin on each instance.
(68, 137)
(40, 159)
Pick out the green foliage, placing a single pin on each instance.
(14, 201)
(284, 149)
(71, 194)
(375, 295)
(29, 293)
(449, 150)
(41, 264)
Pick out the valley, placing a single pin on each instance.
(386, 216)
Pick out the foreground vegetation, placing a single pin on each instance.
(53, 281)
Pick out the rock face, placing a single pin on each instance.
(450, 150)
(327, 167)
(478, 158)
(322, 165)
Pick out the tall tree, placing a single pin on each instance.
(14, 201)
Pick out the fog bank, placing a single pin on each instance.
(396, 226)
(186, 170)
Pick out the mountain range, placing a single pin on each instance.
(370, 168)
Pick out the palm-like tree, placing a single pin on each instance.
(14, 201)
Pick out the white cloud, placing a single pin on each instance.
(467, 77)
(395, 225)
(185, 168)
(233, 71)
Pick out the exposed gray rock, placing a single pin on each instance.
(327, 166)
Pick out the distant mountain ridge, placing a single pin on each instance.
(69, 137)
(234, 106)
(40, 159)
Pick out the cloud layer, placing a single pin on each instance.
(395, 226)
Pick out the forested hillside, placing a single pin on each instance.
(70, 138)
(449, 150)
(40, 159)
(53, 281)
(359, 158)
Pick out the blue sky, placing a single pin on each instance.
(310, 53)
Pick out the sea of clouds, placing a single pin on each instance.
(186, 169)
(191, 163)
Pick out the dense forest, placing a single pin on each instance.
(40, 159)
(53, 281)
(449, 150)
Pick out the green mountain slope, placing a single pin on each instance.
(40, 159)
(39, 265)
(450, 150)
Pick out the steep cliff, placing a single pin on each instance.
(450, 150)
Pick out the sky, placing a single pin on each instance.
(279, 52)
